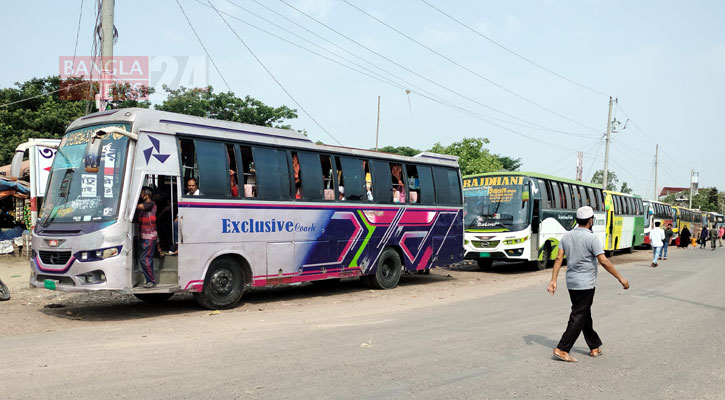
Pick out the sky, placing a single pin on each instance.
(533, 77)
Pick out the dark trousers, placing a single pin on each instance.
(146, 259)
(580, 320)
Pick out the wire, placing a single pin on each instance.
(513, 52)
(271, 74)
(41, 95)
(376, 76)
(417, 74)
(202, 45)
(468, 69)
(78, 32)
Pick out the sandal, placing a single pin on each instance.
(564, 356)
(596, 352)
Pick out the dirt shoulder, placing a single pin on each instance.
(33, 310)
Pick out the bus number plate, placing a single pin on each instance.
(485, 255)
(49, 284)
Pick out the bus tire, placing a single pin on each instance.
(153, 298)
(545, 257)
(630, 249)
(388, 272)
(485, 264)
(223, 285)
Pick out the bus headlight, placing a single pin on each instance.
(97, 255)
(516, 241)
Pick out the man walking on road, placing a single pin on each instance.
(666, 243)
(582, 250)
(656, 238)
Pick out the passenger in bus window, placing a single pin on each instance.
(396, 171)
(192, 189)
(341, 191)
(298, 179)
(368, 181)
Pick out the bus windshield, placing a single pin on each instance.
(495, 205)
(77, 196)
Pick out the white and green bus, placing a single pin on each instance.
(521, 216)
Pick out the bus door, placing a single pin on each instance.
(165, 254)
(610, 224)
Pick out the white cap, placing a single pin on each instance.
(585, 212)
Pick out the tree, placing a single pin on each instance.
(203, 102)
(402, 150)
(473, 157)
(706, 199)
(612, 180)
(509, 164)
(625, 188)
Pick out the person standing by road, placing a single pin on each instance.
(720, 234)
(704, 234)
(583, 251)
(713, 237)
(147, 245)
(666, 243)
(656, 238)
(684, 237)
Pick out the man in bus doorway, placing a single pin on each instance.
(583, 251)
(147, 245)
(656, 239)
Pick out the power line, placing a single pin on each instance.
(415, 73)
(468, 69)
(271, 74)
(377, 76)
(78, 32)
(41, 95)
(202, 45)
(513, 52)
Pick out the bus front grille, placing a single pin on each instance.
(485, 244)
(54, 257)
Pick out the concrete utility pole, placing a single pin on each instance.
(106, 52)
(606, 147)
(692, 172)
(657, 152)
(377, 128)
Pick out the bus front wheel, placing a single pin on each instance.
(485, 264)
(223, 285)
(388, 272)
(545, 256)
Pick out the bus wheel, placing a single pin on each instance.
(223, 285)
(153, 298)
(389, 270)
(485, 264)
(545, 257)
(630, 249)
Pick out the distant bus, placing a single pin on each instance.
(692, 219)
(521, 216)
(655, 211)
(272, 208)
(717, 219)
(625, 221)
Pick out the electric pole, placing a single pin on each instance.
(106, 53)
(377, 128)
(657, 152)
(606, 147)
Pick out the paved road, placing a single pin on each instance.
(663, 339)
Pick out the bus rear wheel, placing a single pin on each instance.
(388, 272)
(485, 264)
(545, 257)
(223, 285)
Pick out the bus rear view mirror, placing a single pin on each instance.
(92, 156)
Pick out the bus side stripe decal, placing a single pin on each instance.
(371, 229)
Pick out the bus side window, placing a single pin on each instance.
(272, 173)
(188, 160)
(454, 186)
(600, 199)
(413, 183)
(440, 179)
(567, 196)
(383, 188)
(557, 195)
(249, 172)
(583, 197)
(308, 176)
(427, 190)
(233, 171)
(592, 199)
(368, 181)
(545, 202)
(328, 183)
(396, 179)
(213, 174)
(352, 178)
